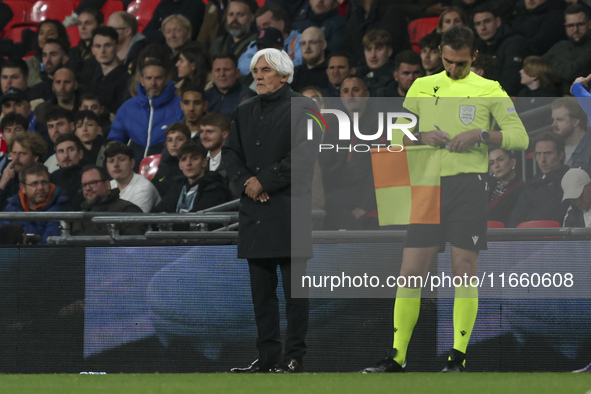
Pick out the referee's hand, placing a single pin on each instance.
(464, 140)
(435, 138)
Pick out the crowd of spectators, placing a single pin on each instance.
(91, 112)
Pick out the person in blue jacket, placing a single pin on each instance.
(37, 194)
(143, 120)
(580, 89)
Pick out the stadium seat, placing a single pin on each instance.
(73, 35)
(143, 11)
(110, 7)
(2, 145)
(21, 10)
(539, 224)
(495, 224)
(418, 29)
(51, 9)
(343, 8)
(15, 31)
(149, 166)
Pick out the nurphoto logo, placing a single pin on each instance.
(344, 132)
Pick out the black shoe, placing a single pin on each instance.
(386, 365)
(456, 362)
(290, 366)
(255, 367)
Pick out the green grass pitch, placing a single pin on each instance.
(325, 383)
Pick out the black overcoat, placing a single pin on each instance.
(264, 144)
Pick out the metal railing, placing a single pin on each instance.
(214, 215)
(228, 219)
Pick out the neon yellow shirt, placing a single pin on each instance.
(460, 105)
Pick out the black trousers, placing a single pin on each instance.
(263, 284)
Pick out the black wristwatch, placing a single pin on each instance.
(484, 135)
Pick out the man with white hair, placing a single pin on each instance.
(261, 149)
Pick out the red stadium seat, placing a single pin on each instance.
(495, 224)
(73, 35)
(149, 166)
(110, 7)
(539, 224)
(15, 32)
(418, 29)
(21, 10)
(2, 145)
(343, 8)
(51, 9)
(143, 11)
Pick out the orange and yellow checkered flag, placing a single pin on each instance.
(408, 185)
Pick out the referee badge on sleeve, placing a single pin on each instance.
(467, 114)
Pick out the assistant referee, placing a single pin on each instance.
(454, 109)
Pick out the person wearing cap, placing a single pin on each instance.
(576, 186)
(15, 100)
(227, 91)
(267, 38)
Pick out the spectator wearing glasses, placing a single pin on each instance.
(539, 21)
(313, 71)
(571, 58)
(99, 197)
(36, 194)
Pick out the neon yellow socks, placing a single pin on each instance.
(406, 314)
(465, 310)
